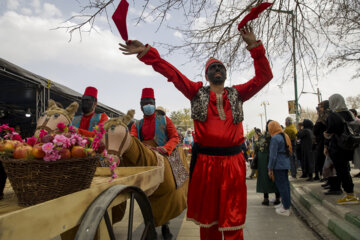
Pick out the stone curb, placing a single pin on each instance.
(343, 212)
(341, 228)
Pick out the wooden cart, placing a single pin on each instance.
(85, 214)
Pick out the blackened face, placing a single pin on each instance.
(88, 104)
(146, 101)
(216, 73)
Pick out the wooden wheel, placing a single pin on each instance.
(98, 210)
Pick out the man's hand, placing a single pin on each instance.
(162, 151)
(248, 36)
(132, 47)
(271, 174)
(326, 151)
(327, 135)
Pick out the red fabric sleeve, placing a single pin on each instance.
(133, 131)
(172, 136)
(263, 74)
(181, 82)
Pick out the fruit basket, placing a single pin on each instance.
(35, 181)
(49, 165)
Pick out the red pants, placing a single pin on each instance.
(214, 234)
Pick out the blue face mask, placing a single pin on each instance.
(149, 109)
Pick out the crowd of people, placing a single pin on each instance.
(316, 150)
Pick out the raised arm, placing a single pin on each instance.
(263, 73)
(150, 56)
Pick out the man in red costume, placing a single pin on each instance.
(217, 188)
(157, 131)
(86, 122)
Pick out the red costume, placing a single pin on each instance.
(84, 123)
(148, 132)
(148, 126)
(217, 190)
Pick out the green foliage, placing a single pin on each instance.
(182, 119)
(250, 134)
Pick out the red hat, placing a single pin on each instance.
(210, 61)
(91, 91)
(147, 93)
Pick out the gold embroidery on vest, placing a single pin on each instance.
(220, 106)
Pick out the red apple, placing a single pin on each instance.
(37, 151)
(65, 153)
(9, 146)
(22, 152)
(78, 152)
(2, 143)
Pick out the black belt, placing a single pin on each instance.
(212, 151)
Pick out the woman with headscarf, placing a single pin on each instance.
(291, 131)
(264, 184)
(306, 137)
(339, 156)
(323, 112)
(279, 165)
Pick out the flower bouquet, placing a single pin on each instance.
(50, 165)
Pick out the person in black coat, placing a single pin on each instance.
(340, 156)
(323, 111)
(306, 137)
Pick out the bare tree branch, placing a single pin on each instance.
(326, 31)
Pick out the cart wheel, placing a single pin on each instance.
(98, 210)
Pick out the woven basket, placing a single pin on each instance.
(36, 181)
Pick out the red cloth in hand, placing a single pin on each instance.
(119, 18)
(162, 151)
(254, 13)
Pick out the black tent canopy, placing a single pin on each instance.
(23, 92)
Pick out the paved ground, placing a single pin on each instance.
(261, 223)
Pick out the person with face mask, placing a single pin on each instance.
(217, 188)
(158, 132)
(86, 122)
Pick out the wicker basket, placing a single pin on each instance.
(36, 181)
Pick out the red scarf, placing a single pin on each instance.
(85, 121)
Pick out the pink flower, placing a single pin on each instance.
(16, 136)
(113, 166)
(111, 159)
(104, 153)
(72, 129)
(31, 141)
(47, 147)
(61, 140)
(114, 175)
(8, 136)
(42, 133)
(53, 156)
(61, 126)
(5, 127)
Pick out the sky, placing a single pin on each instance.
(28, 39)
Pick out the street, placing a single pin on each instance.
(261, 223)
